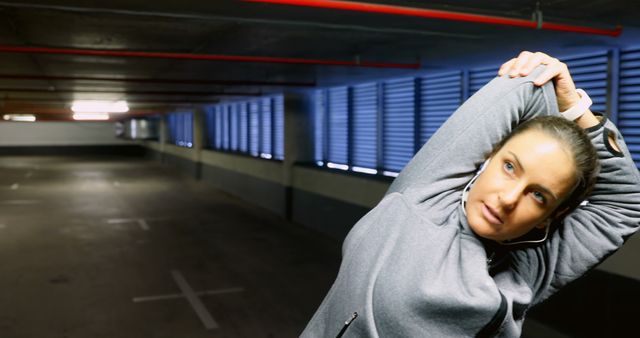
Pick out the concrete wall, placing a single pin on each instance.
(58, 134)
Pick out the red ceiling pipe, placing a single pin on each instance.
(440, 14)
(206, 57)
(159, 80)
(127, 92)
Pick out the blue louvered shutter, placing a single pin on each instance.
(319, 130)
(218, 126)
(180, 130)
(629, 101)
(278, 130)
(338, 125)
(244, 127)
(171, 119)
(265, 113)
(481, 76)
(254, 127)
(365, 126)
(398, 123)
(233, 126)
(440, 96)
(188, 129)
(589, 72)
(208, 126)
(225, 127)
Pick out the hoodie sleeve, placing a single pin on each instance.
(593, 231)
(452, 155)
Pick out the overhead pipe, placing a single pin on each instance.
(441, 14)
(141, 101)
(159, 80)
(203, 57)
(127, 92)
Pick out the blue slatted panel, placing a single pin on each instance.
(481, 76)
(218, 124)
(365, 111)
(254, 128)
(398, 123)
(181, 129)
(440, 96)
(234, 126)
(278, 129)
(209, 124)
(225, 126)
(318, 120)
(629, 101)
(243, 123)
(172, 121)
(265, 112)
(589, 72)
(338, 125)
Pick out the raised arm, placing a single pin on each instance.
(452, 155)
(593, 231)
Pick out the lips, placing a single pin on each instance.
(491, 215)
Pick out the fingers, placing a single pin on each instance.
(506, 67)
(552, 70)
(525, 63)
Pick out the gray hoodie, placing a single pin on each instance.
(412, 267)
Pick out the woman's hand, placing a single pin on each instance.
(555, 70)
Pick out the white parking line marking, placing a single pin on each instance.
(180, 295)
(15, 186)
(196, 303)
(143, 224)
(20, 202)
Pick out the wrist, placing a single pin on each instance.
(579, 108)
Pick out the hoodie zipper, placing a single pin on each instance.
(346, 324)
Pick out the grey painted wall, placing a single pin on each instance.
(58, 134)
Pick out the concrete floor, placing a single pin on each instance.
(82, 238)
(109, 247)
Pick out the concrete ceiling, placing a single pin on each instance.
(46, 83)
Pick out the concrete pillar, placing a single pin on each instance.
(199, 139)
(163, 135)
(298, 139)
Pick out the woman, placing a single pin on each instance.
(451, 252)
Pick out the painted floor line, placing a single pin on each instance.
(15, 186)
(179, 295)
(143, 224)
(197, 305)
(20, 202)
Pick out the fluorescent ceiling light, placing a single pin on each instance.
(91, 116)
(92, 106)
(20, 117)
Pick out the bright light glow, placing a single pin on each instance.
(390, 173)
(90, 106)
(267, 156)
(91, 116)
(320, 163)
(337, 166)
(20, 117)
(365, 170)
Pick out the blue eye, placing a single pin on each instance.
(539, 196)
(508, 166)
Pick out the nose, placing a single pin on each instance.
(509, 196)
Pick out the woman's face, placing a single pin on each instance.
(520, 187)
